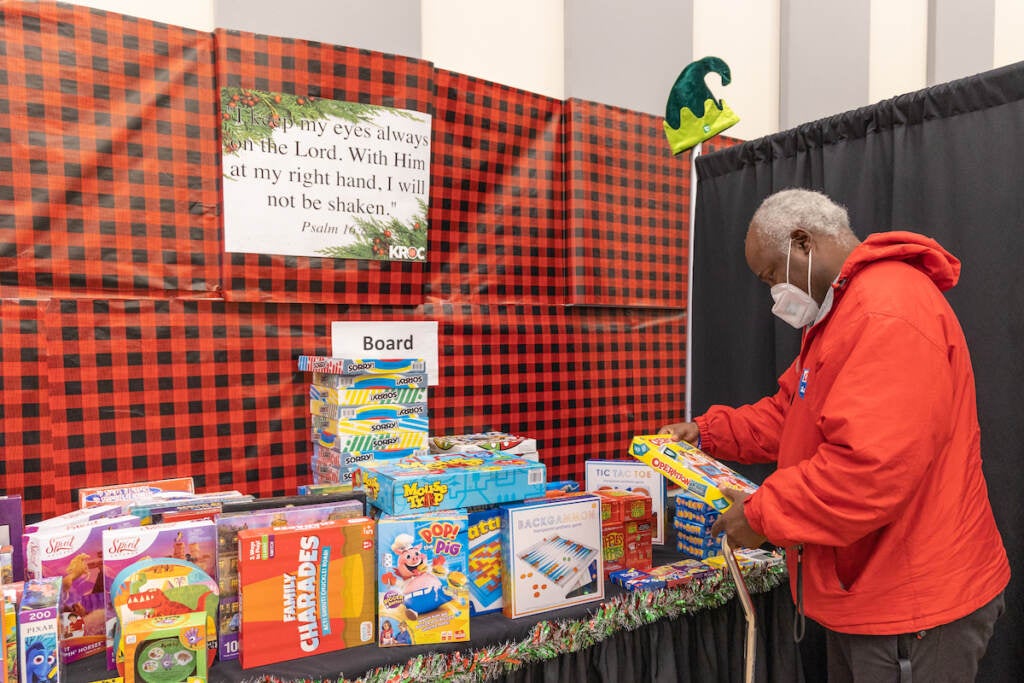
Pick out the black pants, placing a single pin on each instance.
(945, 654)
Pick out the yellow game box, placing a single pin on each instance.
(695, 471)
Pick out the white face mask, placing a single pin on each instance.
(792, 304)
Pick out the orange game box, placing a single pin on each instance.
(307, 589)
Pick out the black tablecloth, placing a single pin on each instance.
(705, 646)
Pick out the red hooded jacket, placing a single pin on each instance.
(875, 431)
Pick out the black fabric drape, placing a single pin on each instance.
(704, 647)
(948, 162)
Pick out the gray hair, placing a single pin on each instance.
(782, 212)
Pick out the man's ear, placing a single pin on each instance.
(801, 239)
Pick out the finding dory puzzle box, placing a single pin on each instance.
(422, 567)
(305, 589)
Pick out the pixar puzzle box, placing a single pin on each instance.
(422, 582)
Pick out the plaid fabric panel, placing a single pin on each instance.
(582, 381)
(340, 73)
(496, 204)
(108, 137)
(26, 467)
(137, 370)
(154, 389)
(628, 209)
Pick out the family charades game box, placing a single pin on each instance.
(305, 589)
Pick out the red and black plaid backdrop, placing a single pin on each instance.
(133, 347)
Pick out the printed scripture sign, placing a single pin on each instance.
(305, 176)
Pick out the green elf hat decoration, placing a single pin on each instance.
(692, 114)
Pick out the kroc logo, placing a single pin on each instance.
(400, 251)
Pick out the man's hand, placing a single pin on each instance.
(734, 522)
(682, 431)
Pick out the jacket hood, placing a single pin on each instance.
(919, 251)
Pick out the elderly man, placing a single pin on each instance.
(879, 495)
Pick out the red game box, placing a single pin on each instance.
(308, 589)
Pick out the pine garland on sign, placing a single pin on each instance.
(375, 237)
(550, 639)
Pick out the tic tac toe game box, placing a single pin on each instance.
(447, 481)
(552, 556)
(631, 475)
(305, 589)
(484, 560)
(695, 471)
(423, 597)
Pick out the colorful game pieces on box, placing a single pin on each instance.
(484, 560)
(162, 587)
(486, 442)
(194, 542)
(551, 549)
(305, 589)
(423, 592)
(166, 649)
(450, 481)
(695, 471)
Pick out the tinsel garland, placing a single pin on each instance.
(551, 639)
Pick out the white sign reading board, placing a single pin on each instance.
(306, 176)
(387, 339)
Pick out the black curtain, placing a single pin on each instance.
(948, 162)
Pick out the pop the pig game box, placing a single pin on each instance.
(695, 471)
(450, 480)
(552, 554)
(422, 579)
(305, 589)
